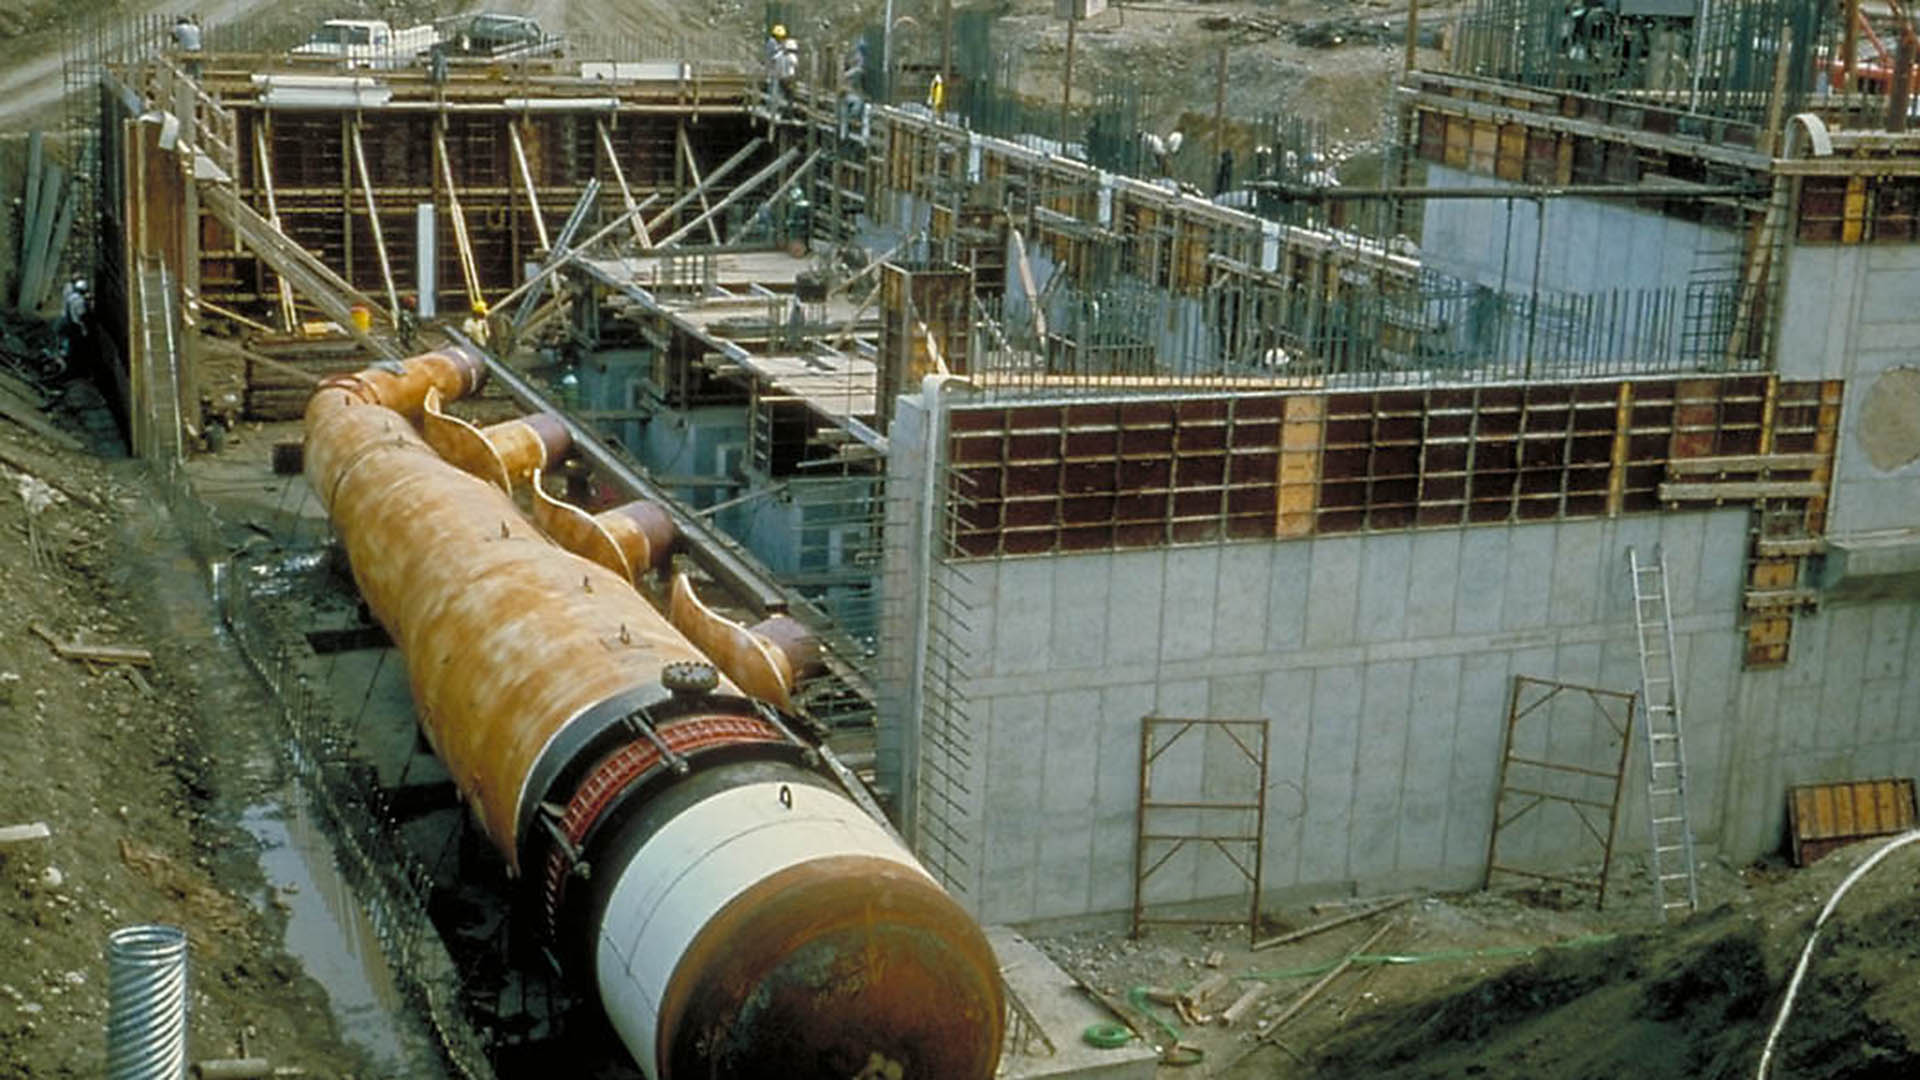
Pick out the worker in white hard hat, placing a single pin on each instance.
(70, 330)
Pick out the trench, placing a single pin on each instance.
(180, 564)
(328, 931)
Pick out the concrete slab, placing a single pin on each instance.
(1887, 642)
(1187, 610)
(1331, 761)
(1240, 617)
(1023, 625)
(1287, 700)
(1133, 607)
(1077, 638)
(1431, 581)
(1287, 578)
(1385, 566)
(1063, 1011)
(1479, 580)
(1333, 591)
(1432, 717)
(1529, 576)
(1578, 564)
(1380, 774)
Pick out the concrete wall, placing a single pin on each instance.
(1850, 313)
(694, 443)
(1596, 245)
(1384, 663)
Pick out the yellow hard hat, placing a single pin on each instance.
(779, 30)
(479, 307)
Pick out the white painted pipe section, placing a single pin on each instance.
(699, 861)
(561, 104)
(276, 80)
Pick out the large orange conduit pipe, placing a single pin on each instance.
(736, 914)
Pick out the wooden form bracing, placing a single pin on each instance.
(1088, 476)
(1060, 207)
(503, 170)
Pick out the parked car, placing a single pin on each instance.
(499, 36)
(370, 42)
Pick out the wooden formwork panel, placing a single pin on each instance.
(1822, 817)
(1143, 473)
(1031, 479)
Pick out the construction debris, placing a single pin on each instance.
(94, 654)
(1330, 924)
(20, 834)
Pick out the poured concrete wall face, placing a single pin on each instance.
(1596, 245)
(1385, 663)
(1849, 313)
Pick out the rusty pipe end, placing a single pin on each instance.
(820, 968)
(794, 640)
(642, 528)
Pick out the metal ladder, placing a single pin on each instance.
(1666, 750)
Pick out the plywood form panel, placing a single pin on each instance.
(1147, 473)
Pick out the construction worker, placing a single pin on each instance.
(783, 66)
(187, 38)
(775, 46)
(71, 327)
(408, 320)
(476, 325)
(937, 94)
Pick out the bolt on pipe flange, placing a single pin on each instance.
(689, 678)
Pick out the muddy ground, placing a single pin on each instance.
(141, 775)
(1521, 983)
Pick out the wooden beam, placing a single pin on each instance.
(1763, 599)
(1501, 114)
(1788, 547)
(373, 219)
(229, 313)
(1744, 463)
(1741, 491)
(306, 272)
(554, 266)
(97, 654)
(289, 319)
(742, 191)
(620, 178)
(1027, 284)
(300, 375)
(713, 178)
(468, 271)
(699, 187)
(526, 181)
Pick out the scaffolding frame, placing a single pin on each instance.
(1541, 693)
(1151, 809)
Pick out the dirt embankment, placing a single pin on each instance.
(1694, 1002)
(138, 776)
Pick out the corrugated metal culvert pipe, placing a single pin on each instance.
(147, 1003)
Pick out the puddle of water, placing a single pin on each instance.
(328, 931)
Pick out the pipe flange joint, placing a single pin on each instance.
(689, 678)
